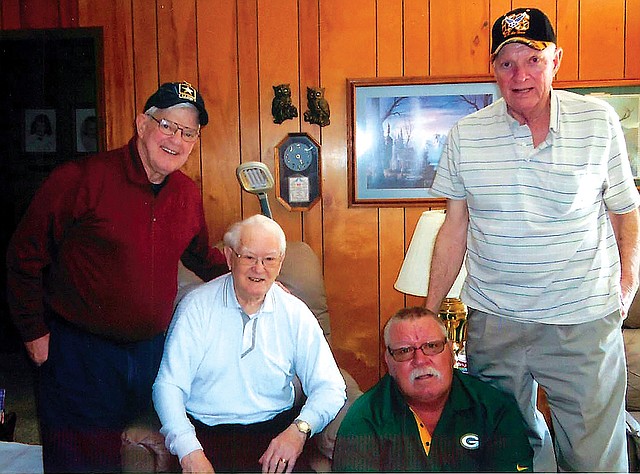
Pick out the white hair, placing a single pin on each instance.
(233, 235)
(414, 312)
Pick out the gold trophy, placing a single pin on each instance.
(453, 313)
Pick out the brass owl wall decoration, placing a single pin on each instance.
(317, 107)
(281, 106)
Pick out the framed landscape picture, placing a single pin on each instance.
(624, 96)
(396, 132)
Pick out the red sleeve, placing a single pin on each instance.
(205, 261)
(33, 245)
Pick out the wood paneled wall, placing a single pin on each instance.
(234, 51)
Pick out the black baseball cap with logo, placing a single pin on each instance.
(174, 93)
(529, 26)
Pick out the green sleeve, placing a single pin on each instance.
(509, 450)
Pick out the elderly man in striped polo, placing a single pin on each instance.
(541, 198)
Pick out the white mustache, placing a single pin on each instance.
(422, 371)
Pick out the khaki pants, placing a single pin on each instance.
(581, 368)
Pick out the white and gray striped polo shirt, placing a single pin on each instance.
(540, 246)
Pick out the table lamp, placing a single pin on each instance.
(414, 276)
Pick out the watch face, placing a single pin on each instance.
(298, 156)
(303, 426)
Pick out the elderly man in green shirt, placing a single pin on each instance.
(426, 416)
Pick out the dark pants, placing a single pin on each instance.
(90, 389)
(237, 448)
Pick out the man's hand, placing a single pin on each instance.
(38, 350)
(626, 228)
(283, 451)
(196, 461)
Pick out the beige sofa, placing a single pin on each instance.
(143, 447)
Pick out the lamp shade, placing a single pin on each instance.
(413, 278)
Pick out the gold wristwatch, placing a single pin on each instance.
(303, 427)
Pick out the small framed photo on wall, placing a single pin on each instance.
(40, 130)
(86, 131)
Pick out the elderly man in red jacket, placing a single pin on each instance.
(92, 277)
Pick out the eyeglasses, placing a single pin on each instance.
(250, 260)
(403, 354)
(169, 128)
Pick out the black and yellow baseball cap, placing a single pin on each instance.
(529, 26)
(173, 93)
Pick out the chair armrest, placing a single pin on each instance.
(143, 450)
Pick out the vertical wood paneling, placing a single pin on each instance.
(459, 37)
(178, 59)
(177, 41)
(601, 55)
(348, 50)
(145, 51)
(278, 63)
(218, 80)
(632, 40)
(309, 53)
(567, 32)
(497, 8)
(68, 12)
(389, 38)
(312, 222)
(39, 14)
(248, 87)
(392, 250)
(547, 6)
(115, 17)
(416, 37)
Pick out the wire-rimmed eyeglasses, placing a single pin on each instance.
(429, 348)
(169, 128)
(251, 260)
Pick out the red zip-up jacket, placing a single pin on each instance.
(100, 249)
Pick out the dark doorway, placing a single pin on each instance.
(52, 103)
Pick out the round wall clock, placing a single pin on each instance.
(297, 167)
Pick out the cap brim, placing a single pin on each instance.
(203, 116)
(537, 45)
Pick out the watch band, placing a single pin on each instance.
(303, 427)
